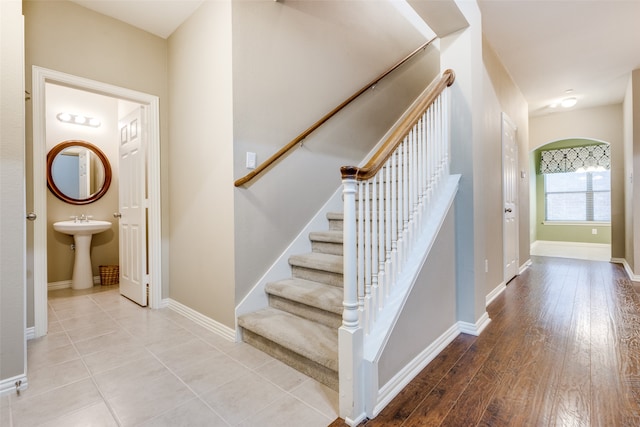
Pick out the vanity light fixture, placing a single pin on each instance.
(78, 119)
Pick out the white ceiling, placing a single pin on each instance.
(159, 17)
(548, 46)
(551, 46)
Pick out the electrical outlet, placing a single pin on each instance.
(594, 231)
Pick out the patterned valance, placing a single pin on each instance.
(576, 159)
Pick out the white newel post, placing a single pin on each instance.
(350, 335)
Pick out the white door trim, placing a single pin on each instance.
(40, 77)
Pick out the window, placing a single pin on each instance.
(578, 196)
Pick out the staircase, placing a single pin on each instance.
(300, 326)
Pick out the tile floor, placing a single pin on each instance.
(108, 362)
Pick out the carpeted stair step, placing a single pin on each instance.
(327, 242)
(311, 300)
(318, 267)
(307, 346)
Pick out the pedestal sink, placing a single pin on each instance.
(82, 231)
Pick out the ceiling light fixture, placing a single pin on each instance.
(78, 119)
(569, 102)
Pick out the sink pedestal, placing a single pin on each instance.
(82, 273)
(82, 231)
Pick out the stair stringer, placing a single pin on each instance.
(377, 397)
(257, 297)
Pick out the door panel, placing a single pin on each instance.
(132, 205)
(510, 198)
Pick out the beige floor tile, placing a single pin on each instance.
(5, 417)
(114, 356)
(47, 378)
(249, 356)
(242, 397)
(175, 357)
(48, 342)
(48, 406)
(282, 375)
(53, 327)
(97, 415)
(192, 414)
(221, 343)
(85, 320)
(92, 331)
(286, 411)
(319, 396)
(76, 310)
(149, 398)
(212, 372)
(104, 342)
(39, 358)
(130, 376)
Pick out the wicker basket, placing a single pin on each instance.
(109, 274)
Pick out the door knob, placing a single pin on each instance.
(508, 210)
(31, 216)
(117, 215)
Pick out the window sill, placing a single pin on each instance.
(585, 223)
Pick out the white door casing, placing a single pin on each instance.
(132, 207)
(41, 76)
(510, 198)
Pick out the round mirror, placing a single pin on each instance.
(78, 172)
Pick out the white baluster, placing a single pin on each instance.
(367, 256)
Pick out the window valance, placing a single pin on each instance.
(576, 159)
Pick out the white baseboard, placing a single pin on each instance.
(494, 293)
(9, 385)
(627, 268)
(475, 328)
(65, 284)
(524, 266)
(54, 286)
(199, 318)
(577, 250)
(413, 368)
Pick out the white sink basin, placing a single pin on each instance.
(82, 232)
(81, 228)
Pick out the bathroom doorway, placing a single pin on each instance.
(41, 78)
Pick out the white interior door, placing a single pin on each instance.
(132, 205)
(510, 198)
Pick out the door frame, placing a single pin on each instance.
(506, 121)
(40, 77)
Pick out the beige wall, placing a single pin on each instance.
(631, 168)
(65, 37)
(288, 75)
(502, 95)
(104, 246)
(601, 124)
(201, 164)
(12, 226)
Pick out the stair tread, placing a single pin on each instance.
(318, 261)
(331, 236)
(314, 341)
(315, 294)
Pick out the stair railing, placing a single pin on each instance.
(298, 139)
(385, 203)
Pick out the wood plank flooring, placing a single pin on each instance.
(562, 349)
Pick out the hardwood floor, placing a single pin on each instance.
(562, 349)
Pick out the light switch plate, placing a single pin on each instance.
(251, 160)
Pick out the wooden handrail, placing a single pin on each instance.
(397, 135)
(281, 152)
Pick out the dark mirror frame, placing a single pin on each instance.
(77, 143)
